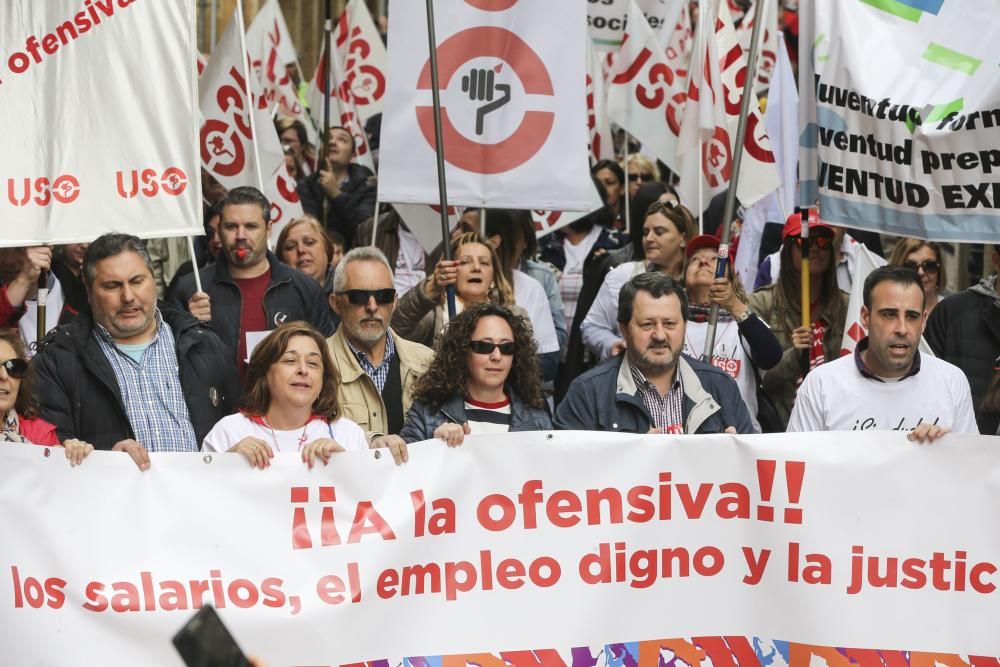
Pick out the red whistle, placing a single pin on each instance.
(241, 253)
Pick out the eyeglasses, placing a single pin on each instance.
(359, 297)
(822, 242)
(486, 347)
(928, 265)
(16, 368)
(646, 178)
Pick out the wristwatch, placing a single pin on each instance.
(745, 316)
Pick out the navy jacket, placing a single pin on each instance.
(605, 398)
(421, 420)
(291, 296)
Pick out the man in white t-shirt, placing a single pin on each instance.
(887, 384)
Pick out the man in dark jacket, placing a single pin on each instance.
(964, 330)
(130, 376)
(247, 290)
(652, 387)
(348, 188)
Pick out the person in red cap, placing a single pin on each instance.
(780, 305)
(743, 342)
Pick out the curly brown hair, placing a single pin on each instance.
(26, 403)
(257, 397)
(448, 373)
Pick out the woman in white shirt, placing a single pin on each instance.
(290, 403)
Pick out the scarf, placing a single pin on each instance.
(11, 431)
(699, 313)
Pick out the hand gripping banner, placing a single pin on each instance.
(547, 549)
(99, 135)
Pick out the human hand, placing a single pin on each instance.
(320, 448)
(802, 338)
(38, 258)
(731, 430)
(617, 349)
(77, 450)
(135, 450)
(394, 444)
(200, 305)
(452, 434)
(926, 433)
(329, 183)
(256, 451)
(722, 293)
(445, 273)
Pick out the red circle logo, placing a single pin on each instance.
(492, 5)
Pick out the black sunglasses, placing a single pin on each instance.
(16, 368)
(822, 242)
(645, 178)
(486, 347)
(359, 297)
(928, 265)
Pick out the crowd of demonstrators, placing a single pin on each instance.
(484, 378)
(248, 291)
(290, 403)
(780, 305)
(341, 189)
(924, 257)
(667, 229)
(887, 384)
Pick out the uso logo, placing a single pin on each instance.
(173, 181)
(23, 191)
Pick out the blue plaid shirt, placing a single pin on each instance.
(151, 391)
(381, 374)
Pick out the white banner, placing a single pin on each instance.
(365, 59)
(523, 549)
(98, 136)
(513, 105)
(908, 111)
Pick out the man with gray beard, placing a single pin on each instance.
(652, 387)
(377, 368)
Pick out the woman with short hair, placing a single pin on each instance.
(304, 245)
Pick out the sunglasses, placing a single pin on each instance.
(486, 347)
(821, 242)
(16, 368)
(359, 297)
(646, 178)
(928, 265)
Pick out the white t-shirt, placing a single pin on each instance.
(836, 397)
(571, 281)
(600, 328)
(410, 263)
(530, 295)
(230, 430)
(728, 355)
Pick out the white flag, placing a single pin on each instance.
(343, 112)
(767, 44)
(513, 106)
(601, 142)
(710, 121)
(271, 50)
(365, 59)
(645, 96)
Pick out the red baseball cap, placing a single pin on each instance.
(793, 225)
(699, 242)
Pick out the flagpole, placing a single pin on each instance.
(439, 143)
(727, 216)
(253, 103)
(628, 206)
(194, 264)
(214, 21)
(375, 221)
(327, 83)
(40, 299)
(699, 53)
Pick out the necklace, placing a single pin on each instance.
(274, 436)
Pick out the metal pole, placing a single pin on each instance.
(804, 280)
(375, 221)
(730, 208)
(700, 54)
(328, 91)
(625, 193)
(214, 22)
(439, 143)
(194, 263)
(43, 293)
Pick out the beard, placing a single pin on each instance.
(649, 365)
(368, 330)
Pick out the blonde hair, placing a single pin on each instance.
(502, 292)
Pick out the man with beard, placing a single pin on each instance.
(653, 388)
(248, 290)
(129, 376)
(377, 368)
(887, 384)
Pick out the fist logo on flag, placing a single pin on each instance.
(481, 85)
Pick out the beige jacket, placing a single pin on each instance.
(358, 394)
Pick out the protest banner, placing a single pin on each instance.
(547, 548)
(365, 59)
(98, 137)
(513, 106)
(906, 116)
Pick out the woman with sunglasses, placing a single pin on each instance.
(475, 272)
(924, 257)
(780, 306)
(666, 229)
(483, 379)
(290, 403)
(18, 406)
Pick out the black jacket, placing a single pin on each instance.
(354, 204)
(291, 296)
(964, 330)
(605, 398)
(422, 420)
(79, 394)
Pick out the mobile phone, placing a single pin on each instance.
(204, 641)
